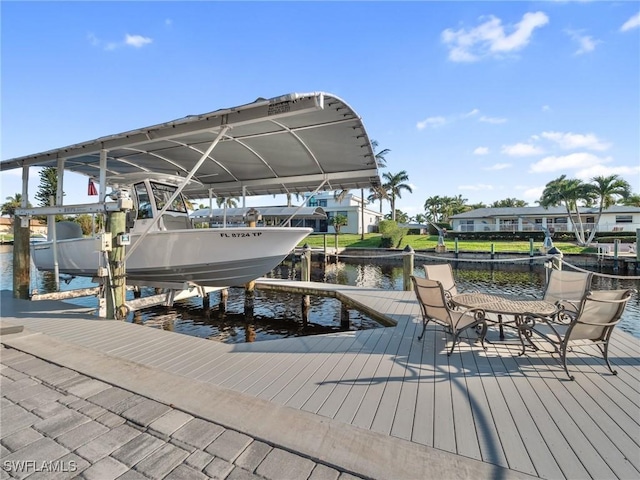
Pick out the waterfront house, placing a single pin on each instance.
(617, 218)
(359, 217)
(38, 227)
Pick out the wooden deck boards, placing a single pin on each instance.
(514, 411)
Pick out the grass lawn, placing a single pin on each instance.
(426, 242)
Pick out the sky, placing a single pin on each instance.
(486, 100)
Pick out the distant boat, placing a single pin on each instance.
(173, 251)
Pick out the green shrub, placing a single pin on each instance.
(392, 234)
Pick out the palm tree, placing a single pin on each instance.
(632, 200)
(381, 161)
(569, 193)
(608, 190)
(378, 193)
(394, 185)
(229, 202)
(9, 207)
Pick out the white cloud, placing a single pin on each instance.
(438, 121)
(588, 173)
(168, 22)
(476, 187)
(493, 120)
(572, 161)
(633, 22)
(137, 41)
(93, 40)
(531, 194)
(571, 141)
(431, 122)
(499, 166)
(481, 151)
(546, 108)
(521, 150)
(490, 38)
(586, 43)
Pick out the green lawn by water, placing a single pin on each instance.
(426, 242)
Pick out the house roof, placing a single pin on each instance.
(285, 144)
(537, 211)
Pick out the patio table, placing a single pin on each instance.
(505, 305)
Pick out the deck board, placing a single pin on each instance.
(519, 412)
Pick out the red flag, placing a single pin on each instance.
(92, 188)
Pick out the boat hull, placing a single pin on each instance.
(207, 257)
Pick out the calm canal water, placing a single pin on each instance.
(279, 315)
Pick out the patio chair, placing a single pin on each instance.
(567, 289)
(434, 306)
(443, 273)
(598, 314)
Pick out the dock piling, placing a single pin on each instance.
(21, 259)
(407, 268)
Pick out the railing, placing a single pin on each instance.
(556, 227)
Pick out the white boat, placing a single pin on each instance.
(173, 252)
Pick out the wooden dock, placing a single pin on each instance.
(494, 406)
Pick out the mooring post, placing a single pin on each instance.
(324, 241)
(344, 317)
(21, 259)
(305, 276)
(224, 296)
(116, 282)
(616, 248)
(305, 263)
(407, 268)
(206, 302)
(249, 297)
(531, 252)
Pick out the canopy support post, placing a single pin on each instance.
(175, 194)
(21, 252)
(303, 203)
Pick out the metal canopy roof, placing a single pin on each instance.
(239, 214)
(290, 143)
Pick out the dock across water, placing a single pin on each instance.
(374, 403)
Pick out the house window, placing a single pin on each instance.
(330, 216)
(466, 226)
(624, 218)
(322, 203)
(560, 220)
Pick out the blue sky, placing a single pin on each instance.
(487, 100)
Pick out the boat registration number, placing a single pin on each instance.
(241, 234)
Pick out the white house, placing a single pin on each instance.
(359, 217)
(525, 219)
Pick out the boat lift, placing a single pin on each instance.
(294, 143)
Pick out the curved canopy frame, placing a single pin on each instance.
(286, 144)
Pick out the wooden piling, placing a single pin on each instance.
(116, 283)
(407, 268)
(21, 259)
(344, 317)
(305, 276)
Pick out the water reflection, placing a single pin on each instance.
(279, 315)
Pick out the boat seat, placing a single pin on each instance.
(65, 230)
(171, 222)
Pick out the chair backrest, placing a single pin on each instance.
(599, 313)
(567, 285)
(431, 298)
(443, 273)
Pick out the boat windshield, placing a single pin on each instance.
(162, 193)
